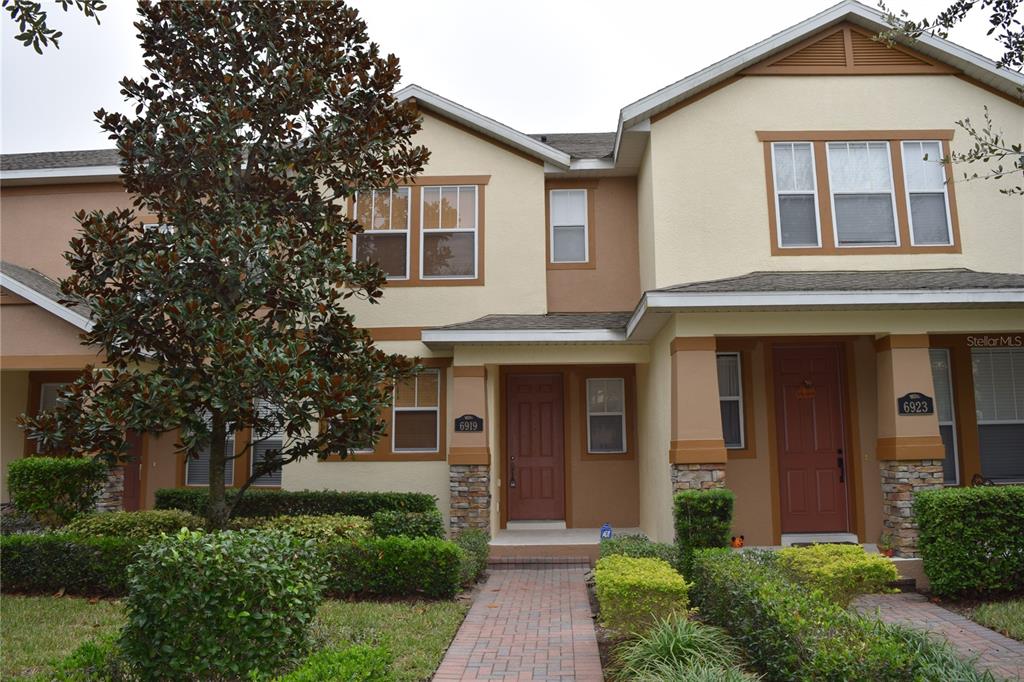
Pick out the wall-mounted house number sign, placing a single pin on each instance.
(913, 404)
(469, 423)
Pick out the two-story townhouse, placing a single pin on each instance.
(763, 279)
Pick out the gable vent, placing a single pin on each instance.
(868, 52)
(829, 51)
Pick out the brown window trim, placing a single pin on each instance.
(628, 374)
(591, 189)
(415, 230)
(35, 387)
(745, 349)
(818, 140)
(382, 451)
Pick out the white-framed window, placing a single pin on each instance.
(448, 232)
(385, 215)
(942, 380)
(730, 399)
(570, 230)
(197, 469)
(606, 416)
(416, 414)
(924, 175)
(263, 444)
(999, 401)
(48, 394)
(863, 201)
(796, 195)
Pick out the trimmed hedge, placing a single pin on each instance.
(790, 632)
(393, 567)
(634, 593)
(702, 520)
(319, 528)
(298, 502)
(90, 566)
(425, 524)
(640, 547)
(135, 524)
(53, 490)
(476, 545)
(972, 539)
(359, 663)
(841, 572)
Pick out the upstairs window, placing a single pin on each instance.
(925, 179)
(863, 204)
(385, 217)
(569, 226)
(448, 246)
(796, 194)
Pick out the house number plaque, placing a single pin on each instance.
(913, 404)
(469, 423)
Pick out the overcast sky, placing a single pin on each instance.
(551, 66)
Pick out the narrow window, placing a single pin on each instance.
(384, 215)
(999, 401)
(925, 177)
(448, 234)
(942, 379)
(730, 399)
(796, 194)
(263, 444)
(416, 413)
(48, 394)
(863, 205)
(606, 416)
(569, 228)
(197, 469)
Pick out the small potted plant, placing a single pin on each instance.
(885, 544)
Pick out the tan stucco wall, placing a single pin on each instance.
(29, 331)
(645, 218)
(13, 399)
(654, 424)
(162, 464)
(614, 284)
(709, 201)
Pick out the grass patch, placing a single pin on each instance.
(1006, 617)
(416, 633)
(40, 630)
(37, 630)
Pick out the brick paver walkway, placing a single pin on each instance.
(1002, 655)
(527, 623)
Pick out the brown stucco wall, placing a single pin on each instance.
(614, 284)
(161, 465)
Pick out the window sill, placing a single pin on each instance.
(587, 265)
(389, 457)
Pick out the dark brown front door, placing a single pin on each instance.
(536, 453)
(809, 424)
(130, 499)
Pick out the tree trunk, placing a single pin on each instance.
(217, 510)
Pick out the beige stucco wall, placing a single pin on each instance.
(709, 202)
(514, 271)
(645, 219)
(654, 424)
(13, 399)
(29, 331)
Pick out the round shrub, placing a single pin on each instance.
(221, 605)
(319, 528)
(425, 524)
(53, 490)
(358, 663)
(841, 572)
(640, 547)
(633, 593)
(136, 524)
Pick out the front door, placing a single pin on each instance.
(535, 447)
(810, 431)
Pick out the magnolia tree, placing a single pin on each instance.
(219, 298)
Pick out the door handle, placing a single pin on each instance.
(512, 472)
(842, 469)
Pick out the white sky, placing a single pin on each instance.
(540, 67)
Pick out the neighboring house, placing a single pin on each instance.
(746, 284)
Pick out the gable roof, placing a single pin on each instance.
(39, 289)
(976, 66)
(580, 145)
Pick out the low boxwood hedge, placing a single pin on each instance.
(76, 564)
(841, 572)
(358, 663)
(298, 502)
(393, 567)
(972, 539)
(634, 593)
(702, 519)
(640, 547)
(420, 524)
(53, 490)
(135, 524)
(320, 528)
(792, 632)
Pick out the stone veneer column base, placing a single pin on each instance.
(697, 476)
(470, 487)
(112, 496)
(901, 480)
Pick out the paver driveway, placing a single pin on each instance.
(527, 623)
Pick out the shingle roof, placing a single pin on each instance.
(548, 322)
(849, 280)
(41, 284)
(580, 145)
(72, 159)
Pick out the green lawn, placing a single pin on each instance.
(1006, 617)
(34, 631)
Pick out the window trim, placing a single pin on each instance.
(552, 226)
(952, 412)
(907, 193)
(395, 409)
(407, 231)
(746, 350)
(475, 231)
(776, 193)
(892, 194)
(577, 409)
(737, 398)
(33, 401)
(622, 415)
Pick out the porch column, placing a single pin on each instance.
(469, 458)
(697, 452)
(112, 496)
(909, 448)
